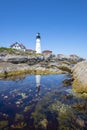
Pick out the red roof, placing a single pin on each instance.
(30, 50)
(47, 51)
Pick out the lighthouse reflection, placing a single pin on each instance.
(38, 78)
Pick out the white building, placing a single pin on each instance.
(38, 44)
(18, 46)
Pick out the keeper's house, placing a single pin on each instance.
(18, 46)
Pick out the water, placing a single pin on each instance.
(35, 102)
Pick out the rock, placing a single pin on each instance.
(60, 107)
(80, 71)
(35, 59)
(48, 57)
(80, 122)
(14, 58)
(65, 67)
(6, 68)
(70, 58)
(17, 60)
(67, 82)
(5, 97)
(3, 124)
(80, 77)
(19, 125)
(44, 123)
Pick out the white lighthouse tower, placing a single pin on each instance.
(38, 44)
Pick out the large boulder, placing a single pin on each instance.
(35, 59)
(16, 59)
(47, 57)
(80, 77)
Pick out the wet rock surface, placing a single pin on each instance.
(67, 82)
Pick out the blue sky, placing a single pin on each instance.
(61, 23)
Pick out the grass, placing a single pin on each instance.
(6, 49)
(18, 52)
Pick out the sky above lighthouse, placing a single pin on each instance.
(62, 24)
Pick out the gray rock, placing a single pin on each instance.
(67, 82)
(71, 58)
(17, 60)
(80, 72)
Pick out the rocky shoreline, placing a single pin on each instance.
(14, 63)
(10, 69)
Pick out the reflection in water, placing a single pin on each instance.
(38, 78)
(52, 107)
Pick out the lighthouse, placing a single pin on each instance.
(38, 44)
(38, 78)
